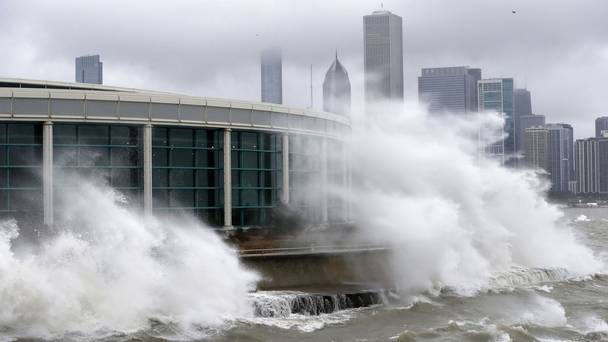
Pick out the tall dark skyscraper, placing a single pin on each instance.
(522, 106)
(89, 69)
(383, 56)
(592, 165)
(271, 72)
(601, 124)
(449, 89)
(336, 89)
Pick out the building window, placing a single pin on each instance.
(336, 181)
(187, 172)
(111, 154)
(256, 177)
(305, 183)
(21, 172)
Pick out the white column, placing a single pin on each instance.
(147, 140)
(47, 172)
(227, 179)
(285, 195)
(324, 182)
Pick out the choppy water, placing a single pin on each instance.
(525, 305)
(521, 305)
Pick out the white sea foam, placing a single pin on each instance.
(107, 269)
(582, 218)
(454, 218)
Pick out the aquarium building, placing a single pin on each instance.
(229, 163)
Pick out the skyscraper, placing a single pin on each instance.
(592, 165)
(383, 56)
(601, 124)
(497, 95)
(537, 148)
(527, 121)
(561, 141)
(336, 89)
(522, 106)
(551, 148)
(89, 69)
(271, 76)
(450, 89)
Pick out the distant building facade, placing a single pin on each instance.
(537, 148)
(449, 89)
(522, 106)
(601, 125)
(336, 89)
(550, 147)
(89, 69)
(561, 147)
(383, 56)
(525, 122)
(592, 165)
(271, 68)
(497, 95)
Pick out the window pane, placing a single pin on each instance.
(25, 155)
(125, 178)
(180, 137)
(182, 158)
(64, 134)
(181, 178)
(124, 135)
(249, 179)
(94, 156)
(159, 157)
(249, 141)
(24, 134)
(249, 198)
(159, 178)
(93, 135)
(250, 160)
(124, 156)
(159, 136)
(181, 198)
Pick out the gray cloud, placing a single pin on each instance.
(558, 49)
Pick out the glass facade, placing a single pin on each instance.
(20, 171)
(256, 177)
(187, 172)
(305, 183)
(336, 180)
(91, 152)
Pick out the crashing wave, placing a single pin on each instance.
(283, 304)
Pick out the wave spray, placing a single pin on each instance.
(107, 270)
(453, 217)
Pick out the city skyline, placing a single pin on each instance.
(172, 63)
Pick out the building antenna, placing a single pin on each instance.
(311, 99)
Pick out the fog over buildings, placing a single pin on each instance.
(213, 48)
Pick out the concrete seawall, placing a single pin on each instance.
(327, 267)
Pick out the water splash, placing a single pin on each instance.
(106, 269)
(453, 217)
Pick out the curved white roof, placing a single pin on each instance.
(32, 99)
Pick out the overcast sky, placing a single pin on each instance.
(557, 48)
